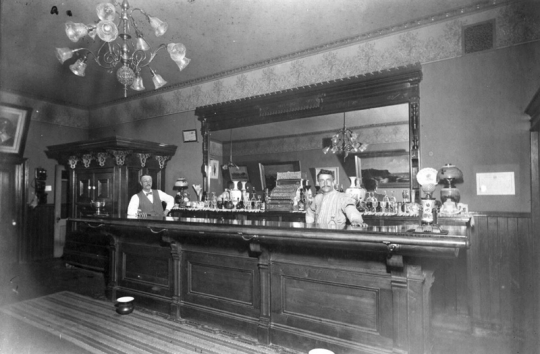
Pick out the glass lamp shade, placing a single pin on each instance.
(158, 81)
(138, 84)
(141, 44)
(450, 175)
(92, 33)
(160, 27)
(106, 11)
(79, 67)
(76, 31)
(176, 50)
(449, 193)
(182, 63)
(63, 54)
(125, 75)
(181, 183)
(107, 31)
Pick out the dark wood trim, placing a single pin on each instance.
(502, 214)
(533, 110)
(384, 88)
(379, 89)
(533, 339)
(62, 152)
(299, 287)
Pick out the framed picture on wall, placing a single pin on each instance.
(239, 174)
(214, 169)
(268, 171)
(14, 123)
(334, 170)
(190, 135)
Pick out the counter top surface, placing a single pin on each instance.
(456, 236)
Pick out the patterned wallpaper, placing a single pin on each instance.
(423, 41)
(47, 112)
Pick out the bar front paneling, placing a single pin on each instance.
(356, 290)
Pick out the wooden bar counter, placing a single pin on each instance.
(357, 290)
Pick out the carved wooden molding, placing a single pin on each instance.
(295, 105)
(388, 87)
(161, 160)
(73, 161)
(120, 156)
(102, 149)
(102, 157)
(87, 159)
(143, 158)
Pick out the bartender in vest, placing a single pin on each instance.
(148, 201)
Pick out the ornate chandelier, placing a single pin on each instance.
(345, 141)
(130, 53)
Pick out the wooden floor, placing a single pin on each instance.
(26, 281)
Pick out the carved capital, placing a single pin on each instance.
(87, 159)
(101, 158)
(143, 158)
(73, 161)
(161, 160)
(393, 260)
(120, 156)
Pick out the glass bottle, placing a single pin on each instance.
(253, 201)
(385, 204)
(213, 202)
(369, 201)
(247, 201)
(301, 201)
(393, 203)
(219, 203)
(263, 201)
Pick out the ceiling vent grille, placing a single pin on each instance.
(478, 37)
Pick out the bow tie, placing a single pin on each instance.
(147, 194)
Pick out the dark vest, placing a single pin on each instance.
(152, 209)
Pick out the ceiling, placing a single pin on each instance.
(220, 36)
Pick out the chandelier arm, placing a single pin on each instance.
(137, 58)
(153, 54)
(107, 63)
(134, 23)
(88, 52)
(141, 11)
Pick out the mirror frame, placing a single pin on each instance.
(382, 88)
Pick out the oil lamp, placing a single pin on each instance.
(427, 178)
(449, 175)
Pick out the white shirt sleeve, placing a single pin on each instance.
(133, 206)
(167, 199)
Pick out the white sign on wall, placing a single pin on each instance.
(495, 183)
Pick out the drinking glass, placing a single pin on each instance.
(406, 195)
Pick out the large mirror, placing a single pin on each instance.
(287, 131)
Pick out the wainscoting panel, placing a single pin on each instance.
(39, 233)
(498, 268)
(491, 290)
